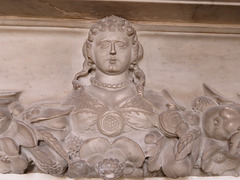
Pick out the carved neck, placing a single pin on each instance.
(112, 79)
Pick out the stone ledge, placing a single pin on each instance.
(39, 176)
(50, 23)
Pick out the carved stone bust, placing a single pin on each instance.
(115, 128)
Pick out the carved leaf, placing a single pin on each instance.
(25, 136)
(45, 111)
(155, 157)
(53, 142)
(5, 119)
(138, 102)
(215, 95)
(172, 101)
(80, 99)
(120, 154)
(83, 120)
(8, 146)
(132, 150)
(185, 141)
(94, 146)
(154, 161)
(8, 97)
(138, 119)
(155, 98)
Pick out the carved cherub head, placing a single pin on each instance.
(112, 47)
(221, 122)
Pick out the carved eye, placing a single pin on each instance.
(121, 45)
(104, 45)
(217, 121)
(198, 100)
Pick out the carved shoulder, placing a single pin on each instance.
(80, 99)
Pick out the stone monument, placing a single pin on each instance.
(115, 128)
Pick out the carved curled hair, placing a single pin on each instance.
(112, 24)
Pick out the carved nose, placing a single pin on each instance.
(113, 50)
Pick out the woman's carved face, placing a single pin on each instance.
(112, 52)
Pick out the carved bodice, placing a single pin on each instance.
(94, 118)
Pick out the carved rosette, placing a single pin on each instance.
(109, 168)
(111, 123)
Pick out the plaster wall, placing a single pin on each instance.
(42, 61)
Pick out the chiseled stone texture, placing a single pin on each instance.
(42, 61)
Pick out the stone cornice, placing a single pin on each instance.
(50, 23)
(165, 11)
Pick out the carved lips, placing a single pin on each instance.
(112, 60)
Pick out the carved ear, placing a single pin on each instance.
(8, 97)
(87, 51)
(228, 113)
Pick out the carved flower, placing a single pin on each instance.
(109, 168)
(98, 152)
(217, 161)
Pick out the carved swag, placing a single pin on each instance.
(114, 128)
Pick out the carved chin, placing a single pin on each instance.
(112, 69)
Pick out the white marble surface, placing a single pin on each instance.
(42, 62)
